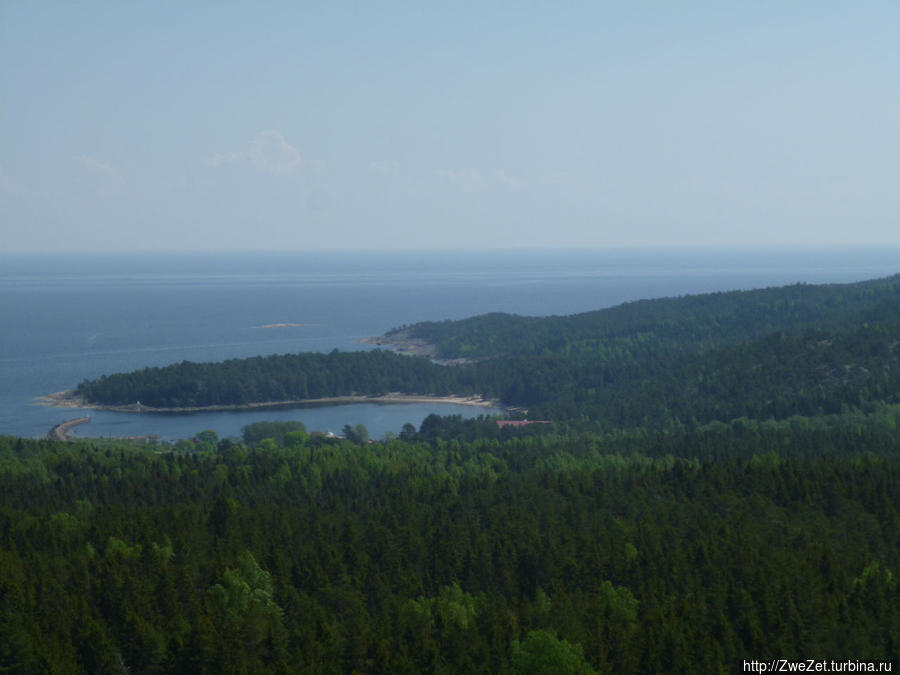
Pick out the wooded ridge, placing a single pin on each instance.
(720, 484)
(775, 352)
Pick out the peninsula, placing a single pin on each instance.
(721, 481)
(763, 354)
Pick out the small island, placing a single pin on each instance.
(282, 325)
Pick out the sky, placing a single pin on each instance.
(408, 125)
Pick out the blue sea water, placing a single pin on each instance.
(64, 318)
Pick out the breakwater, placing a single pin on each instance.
(60, 431)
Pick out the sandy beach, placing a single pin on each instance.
(69, 399)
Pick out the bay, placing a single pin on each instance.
(68, 318)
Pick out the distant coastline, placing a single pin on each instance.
(69, 399)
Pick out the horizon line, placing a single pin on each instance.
(486, 249)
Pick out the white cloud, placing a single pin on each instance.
(270, 152)
(267, 151)
(98, 166)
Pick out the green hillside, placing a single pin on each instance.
(796, 350)
(720, 485)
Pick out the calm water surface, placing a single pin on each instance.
(67, 318)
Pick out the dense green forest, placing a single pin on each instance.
(720, 483)
(796, 350)
(275, 378)
(685, 324)
(459, 548)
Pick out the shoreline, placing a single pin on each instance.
(401, 343)
(68, 399)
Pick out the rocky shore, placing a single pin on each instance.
(402, 342)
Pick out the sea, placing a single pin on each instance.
(67, 318)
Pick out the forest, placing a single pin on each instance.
(719, 483)
(796, 350)
(630, 552)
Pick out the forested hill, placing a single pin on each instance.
(286, 377)
(670, 552)
(774, 352)
(690, 323)
(721, 485)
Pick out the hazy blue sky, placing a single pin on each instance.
(304, 125)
